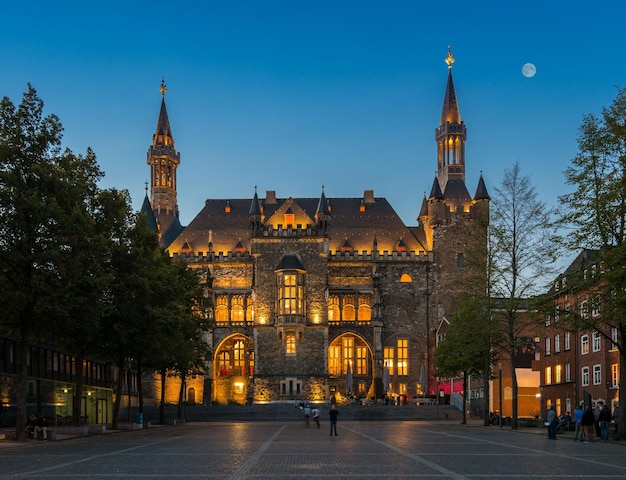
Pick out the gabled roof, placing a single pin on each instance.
(359, 228)
(146, 209)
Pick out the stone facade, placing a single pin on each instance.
(315, 298)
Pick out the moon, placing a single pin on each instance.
(529, 70)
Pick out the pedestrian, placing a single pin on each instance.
(596, 413)
(605, 421)
(333, 419)
(588, 423)
(307, 413)
(551, 422)
(316, 417)
(579, 433)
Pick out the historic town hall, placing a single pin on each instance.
(312, 298)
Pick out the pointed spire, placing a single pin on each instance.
(255, 206)
(322, 205)
(481, 190)
(435, 192)
(163, 134)
(424, 208)
(450, 112)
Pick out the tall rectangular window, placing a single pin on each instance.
(361, 360)
(347, 350)
(615, 375)
(614, 338)
(568, 372)
(548, 375)
(558, 371)
(290, 342)
(389, 360)
(547, 350)
(597, 341)
(567, 341)
(557, 343)
(585, 376)
(291, 293)
(597, 374)
(403, 356)
(584, 344)
(334, 360)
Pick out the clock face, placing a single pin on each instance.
(529, 70)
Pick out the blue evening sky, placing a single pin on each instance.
(290, 95)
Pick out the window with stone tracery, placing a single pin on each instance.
(221, 308)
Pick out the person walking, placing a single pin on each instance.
(605, 421)
(579, 433)
(551, 422)
(316, 416)
(333, 419)
(588, 422)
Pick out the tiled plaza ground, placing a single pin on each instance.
(288, 450)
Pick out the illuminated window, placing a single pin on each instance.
(249, 310)
(402, 388)
(389, 359)
(289, 219)
(348, 308)
(597, 374)
(221, 308)
(334, 360)
(361, 360)
(585, 376)
(548, 375)
(239, 358)
(224, 364)
(251, 364)
(406, 278)
(290, 342)
(615, 375)
(347, 347)
(558, 372)
(403, 357)
(333, 308)
(236, 308)
(365, 310)
(584, 344)
(291, 293)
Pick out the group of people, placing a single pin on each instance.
(35, 425)
(315, 413)
(594, 423)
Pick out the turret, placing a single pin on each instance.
(322, 214)
(255, 215)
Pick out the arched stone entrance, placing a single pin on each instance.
(233, 369)
(350, 367)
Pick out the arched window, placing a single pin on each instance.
(333, 308)
(290, 342)
(221, 308)
(348, 309)
(236, 308)
(406, 278)
(365, 311)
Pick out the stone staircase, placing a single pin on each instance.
(288, 412)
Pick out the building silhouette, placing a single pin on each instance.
(324, 297)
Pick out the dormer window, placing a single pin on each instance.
(289, 219)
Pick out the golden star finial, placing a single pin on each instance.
(449, 58)
(163, 88)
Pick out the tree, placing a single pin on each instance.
(468, 344)
(45, 195)
(596, 213)
(523, 252)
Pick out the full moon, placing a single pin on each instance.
(529, 70)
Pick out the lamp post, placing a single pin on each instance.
(500, 391)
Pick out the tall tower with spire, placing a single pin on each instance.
(450, 135)
(164, 160)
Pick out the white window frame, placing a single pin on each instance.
(567, 341)
(614, 338)
(597, 374)
(547, 348)
(568, 372)
(615, 375)
(557, 343)
(596, 341)
(584, 344)
(584, 376)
